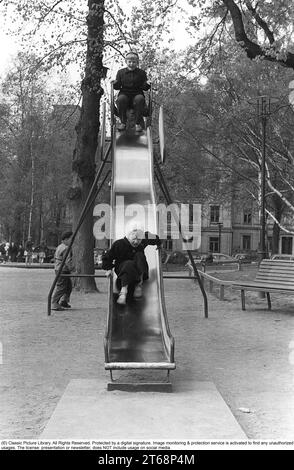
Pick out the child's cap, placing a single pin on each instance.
(65, 235)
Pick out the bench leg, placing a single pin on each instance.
(269, 304)
(222, 292)
(243, 299)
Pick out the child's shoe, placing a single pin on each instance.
(138, 291)
(65, 304)
(122, 298)
(57, 307)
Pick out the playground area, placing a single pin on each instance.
(248, 356)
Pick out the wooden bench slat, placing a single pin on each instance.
(275, 281)
(275, 276)
(277, 270)
(263, 286)
(278, 278)
(281, 271)
(263, 289)
(275, 273)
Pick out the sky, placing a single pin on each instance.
(8, 49)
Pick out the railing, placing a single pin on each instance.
(219, 282)
(213, 280)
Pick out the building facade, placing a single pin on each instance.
(232, 228)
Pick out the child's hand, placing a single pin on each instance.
(108, 273)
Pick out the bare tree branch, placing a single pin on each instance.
(58, 48)
(260, 21)
(49, 10)
(253, 49)
(127, 40)
(276, 191)
(278, 223)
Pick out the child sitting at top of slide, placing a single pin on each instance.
(131, 82)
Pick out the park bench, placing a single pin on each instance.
(273, 276)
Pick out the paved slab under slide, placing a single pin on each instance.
(195, 410)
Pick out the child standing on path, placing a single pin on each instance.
(61, 296)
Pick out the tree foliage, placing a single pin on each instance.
(263, 29)
(36, 147)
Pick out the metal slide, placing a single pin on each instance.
(137, 335)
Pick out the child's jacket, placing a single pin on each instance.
(122, 250)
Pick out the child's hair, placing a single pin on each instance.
(132, 53)
(133, 226)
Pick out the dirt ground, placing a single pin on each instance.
(249, 356)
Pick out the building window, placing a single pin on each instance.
(247, 216)
(214, 244)
(287, 243)
(191, 214)
(214, 214)
(246, 242)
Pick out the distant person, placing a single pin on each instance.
(7, 252)
(29, 251)
(131, 82)
(13, 252)
(42, 252)
(128, 259)
(2, 252)
(20, 254)
(61, 296)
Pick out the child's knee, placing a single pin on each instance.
(122, 100)
(139, 100)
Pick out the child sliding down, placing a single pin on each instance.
(127, 257)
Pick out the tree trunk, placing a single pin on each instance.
(41, 222)
(275, 239)
(84, 154)
(32, 198)
(278, 212)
